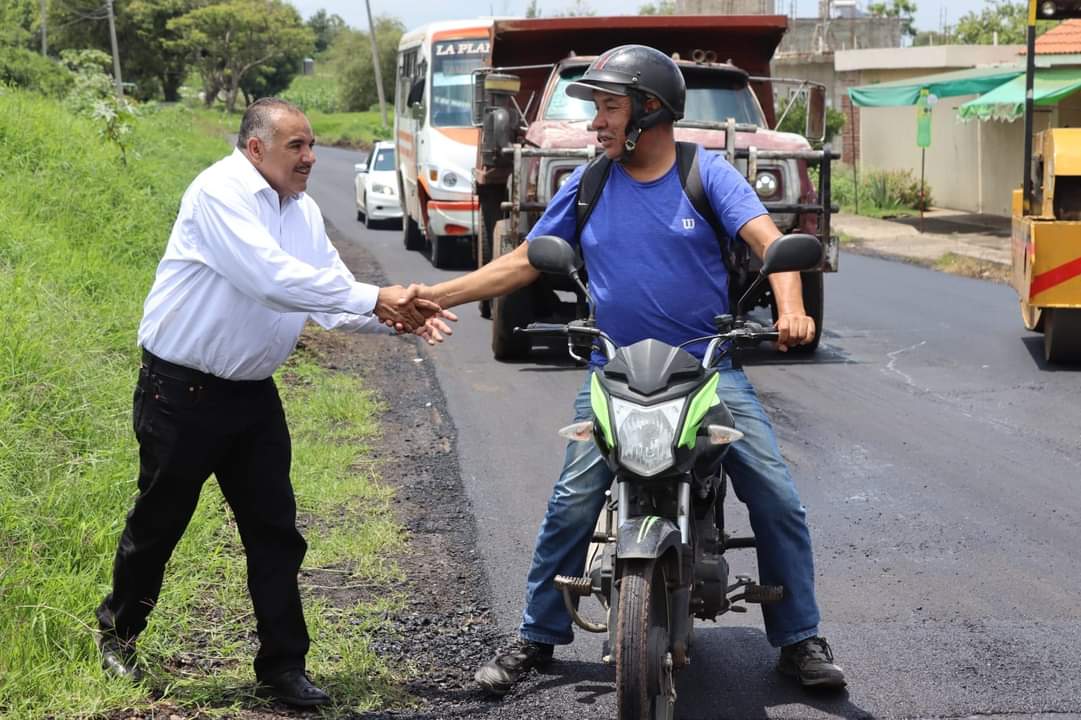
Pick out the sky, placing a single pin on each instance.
(417, 12)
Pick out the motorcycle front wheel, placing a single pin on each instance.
(643, 660)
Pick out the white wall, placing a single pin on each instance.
(972, 166)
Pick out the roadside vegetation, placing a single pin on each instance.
(80, 236)
(879, 193)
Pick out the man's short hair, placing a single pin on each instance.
(258, 120)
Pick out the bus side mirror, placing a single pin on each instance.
(416, 93)
(816, 114)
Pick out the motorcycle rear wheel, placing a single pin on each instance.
(642, 636)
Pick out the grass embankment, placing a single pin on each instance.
(80, 236)
(343, 129)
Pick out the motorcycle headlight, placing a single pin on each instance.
(645, 435)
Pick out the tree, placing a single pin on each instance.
(579, 7)
(351, 56)
(1008, 21)
(661, 7)
(903, 9)
(326, 28)
(20, 24)
(148, 55)
(533, 9)
(795, 121)
(231, 39)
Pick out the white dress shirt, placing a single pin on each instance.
(242, 273)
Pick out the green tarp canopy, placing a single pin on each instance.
(1007, 101)
(974, 81)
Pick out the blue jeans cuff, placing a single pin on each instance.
(794, 638)
(546, 639)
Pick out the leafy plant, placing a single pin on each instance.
(93, 96)
(795, 120)
(24, 69)
(880, 191)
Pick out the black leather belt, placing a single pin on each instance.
(154, 364)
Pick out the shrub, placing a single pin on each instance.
(24, 69)
(880, 190)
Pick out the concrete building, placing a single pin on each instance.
(971, 166)
(725, 7)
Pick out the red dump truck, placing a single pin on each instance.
(533, 136)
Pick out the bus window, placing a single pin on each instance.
(453, 63)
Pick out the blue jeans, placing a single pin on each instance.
(760, 479)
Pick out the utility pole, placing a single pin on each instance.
(44, 40)
(375, 63)
(116, 52)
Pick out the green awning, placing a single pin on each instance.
(973, 81)
(1007, 102)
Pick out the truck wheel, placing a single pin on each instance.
(813, 303)
(1032, 316)
(1062, 336)
(508, 312)
(411, 236)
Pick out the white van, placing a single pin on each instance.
(435, 138)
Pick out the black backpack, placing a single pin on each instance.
(596, 175)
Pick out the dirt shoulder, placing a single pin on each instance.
(445, 630)
(958, 243)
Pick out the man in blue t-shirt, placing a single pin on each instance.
(656, 271)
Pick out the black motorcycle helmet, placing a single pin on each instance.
(636, 71)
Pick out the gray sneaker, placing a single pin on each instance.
(811, 661)
(499, 674)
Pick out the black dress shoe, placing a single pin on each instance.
(293, 687)
(118, 657)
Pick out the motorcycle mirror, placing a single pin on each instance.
(798, 251)
(551, 254)
(788, 253)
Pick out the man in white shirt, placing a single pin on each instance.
(247, 263)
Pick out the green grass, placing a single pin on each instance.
(314, 92)
(354, 129)
(346, 129)
(80, 236)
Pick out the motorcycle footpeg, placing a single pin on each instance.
(763, 594)
(577, 586)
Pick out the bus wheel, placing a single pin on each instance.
(411, 236)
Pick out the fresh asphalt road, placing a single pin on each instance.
(938, 457)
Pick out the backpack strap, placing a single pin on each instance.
(691, 179)
(589, 190)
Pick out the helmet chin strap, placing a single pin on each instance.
(640, 122)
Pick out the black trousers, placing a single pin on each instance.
(189, 426)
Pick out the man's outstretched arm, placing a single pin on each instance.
(505, 274)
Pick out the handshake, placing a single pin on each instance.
(406, 310)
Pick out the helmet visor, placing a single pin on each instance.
(584, 89)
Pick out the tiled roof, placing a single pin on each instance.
(1065, 39)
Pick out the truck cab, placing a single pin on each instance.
(533, 136)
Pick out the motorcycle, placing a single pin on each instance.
(658, 556)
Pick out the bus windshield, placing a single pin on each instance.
(713, 97)
(453, 63)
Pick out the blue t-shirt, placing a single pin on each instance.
(655, 264)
